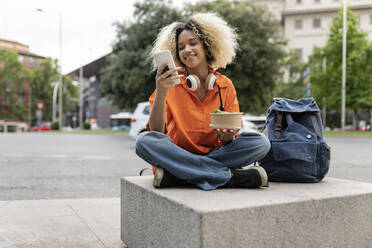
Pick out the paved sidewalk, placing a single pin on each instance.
(67, 223)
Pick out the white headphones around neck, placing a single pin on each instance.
(193, 82)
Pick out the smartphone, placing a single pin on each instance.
(165, 57)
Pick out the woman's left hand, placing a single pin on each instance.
(226, 135)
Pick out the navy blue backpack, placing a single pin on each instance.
(298, 151)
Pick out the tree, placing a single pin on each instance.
(42, 80)
(70, 95)
(292, 88)
(12, 78)
(128, 78)
(326, 80)
(257, 66)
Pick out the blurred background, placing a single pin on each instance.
(96, 54)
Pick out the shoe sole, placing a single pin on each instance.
(263, 174)
(158, 177)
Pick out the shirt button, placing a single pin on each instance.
(308, 136)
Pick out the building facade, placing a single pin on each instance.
(306, 23)
(95, 106)
(29, 60)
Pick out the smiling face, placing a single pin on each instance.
(191, 50)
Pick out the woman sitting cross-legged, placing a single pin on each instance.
(181, 144)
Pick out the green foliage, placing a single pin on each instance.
(12, 78)
(41, 80)
(327, 83)
(86, 125)
(292, 88)
(70, 95)
(128, 79)
(55, 125)
(256, 67)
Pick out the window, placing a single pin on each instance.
(31, 62)
(317, 23)
(21, 59)
(299, 53)
(298, 1)
(298, 24)
(146, 110)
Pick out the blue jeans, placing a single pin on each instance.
(205, 171)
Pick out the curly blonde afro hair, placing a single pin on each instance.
(218, 38)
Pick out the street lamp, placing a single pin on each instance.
(60, 68)
(29, 104)
(325, 29)
(81, 104)
(55, 89)
(343, 90)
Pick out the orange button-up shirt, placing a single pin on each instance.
(187, 119)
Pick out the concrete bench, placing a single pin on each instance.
(333, 213)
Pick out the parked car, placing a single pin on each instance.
(248, 126)
(42, 127)
(141, 116)
(363, 126)
(139, 119)
(253, 123)
(120, 121)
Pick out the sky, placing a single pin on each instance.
(87, 27)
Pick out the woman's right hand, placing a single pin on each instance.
(165, 80)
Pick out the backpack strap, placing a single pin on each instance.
(278, 124)
(315, 124)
